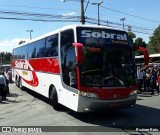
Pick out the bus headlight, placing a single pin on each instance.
(87, 94)
(133, 92)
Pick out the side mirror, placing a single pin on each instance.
(79, 52)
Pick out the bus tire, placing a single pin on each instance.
(20, 84)
(54, 99)
(17, 82)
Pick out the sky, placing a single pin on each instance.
(16, 17)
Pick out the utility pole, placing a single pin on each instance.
(129, 29)
(30, 33)
(123, 19)
(98, 4)
(82, 10)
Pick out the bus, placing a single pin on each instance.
(153, 59)
(82, 67)
(5, 67)
(139, 60)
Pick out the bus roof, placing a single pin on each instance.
(151, 55)
(65, 28)
(6, 65)
(139, 56)
(154, 55)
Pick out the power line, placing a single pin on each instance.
(37, 8)
(63, 18)
(79, 10)
(111, 24)
(33, 14)
(131, 15)
(41, 20)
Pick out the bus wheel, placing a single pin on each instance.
(17, 81)
(20, 84)
(53, 98)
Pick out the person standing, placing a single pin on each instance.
(153, 82)
(3, 85)
(9, 75)
(148, 78)
(140, 77)
(73, 78)
(158, 83)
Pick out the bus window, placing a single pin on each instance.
(67, 38)
(40, 48)
(32, 50)
(71, 77)
(19, 50)
(24, 52)
(52, 46)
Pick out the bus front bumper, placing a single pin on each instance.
(91, 104)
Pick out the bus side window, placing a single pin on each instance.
(52, 46)
(71, 68)
(15, 54)
(24, 52)
(40, 48)
(19, 53)
(67, 38)
(32, 50)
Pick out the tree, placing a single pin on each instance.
(21, 42)
(5, 58)
(131, 36)
(154, 43)
(139, 42)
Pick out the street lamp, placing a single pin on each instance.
(98, 4)
(123, 19)
(30, 33)
(82, 9)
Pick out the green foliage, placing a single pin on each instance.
(5, 57)
(131, 36)
(154, 43)
(21, 42)
(138, 42)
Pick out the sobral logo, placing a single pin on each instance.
(21, 65)
(104, 35)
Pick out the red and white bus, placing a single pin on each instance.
(153, 59)
(83, 67)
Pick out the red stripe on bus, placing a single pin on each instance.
(34, 82)
(50, 65)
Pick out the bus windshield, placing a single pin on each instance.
(107, 67)
(107, 64)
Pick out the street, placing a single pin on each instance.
(26, 108)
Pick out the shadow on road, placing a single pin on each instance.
(136, 117)
(44, 99)
(131, 118)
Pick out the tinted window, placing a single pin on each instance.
(32, 50)
(52, 46)
(24, 52)
(40, 48)
(15, 54)
(67, 38)
(19, 50)
(70, 67)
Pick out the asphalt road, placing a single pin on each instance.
(25, 109)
